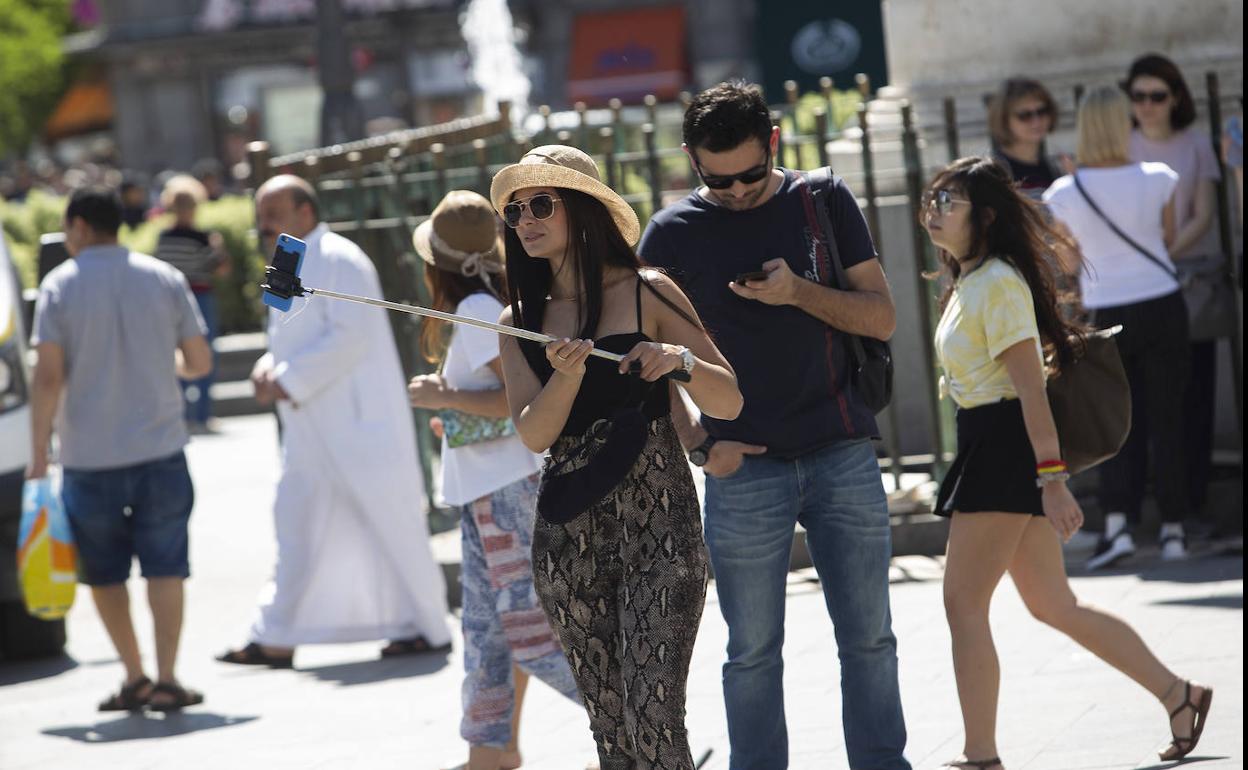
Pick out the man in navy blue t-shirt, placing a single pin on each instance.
(801, 449)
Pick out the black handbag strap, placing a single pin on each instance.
(820, 183)
(1118, 231)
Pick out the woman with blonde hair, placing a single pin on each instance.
(1006, 491)
(1121, 213)
(489, 475)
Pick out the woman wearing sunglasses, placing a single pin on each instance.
(1021, 116)
(489, 475)
(1164, 114)
(622, 575)
(1006, 490)
(1122, 215)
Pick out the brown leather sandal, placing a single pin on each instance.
(1181, 747)
(975, 764)
(179, 697)
(131, 697)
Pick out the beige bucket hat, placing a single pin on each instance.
(460, 236)
(557, 165)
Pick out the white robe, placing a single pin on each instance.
(353, 558)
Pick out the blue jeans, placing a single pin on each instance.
(120, 513)
(837, 495)
(197, 393)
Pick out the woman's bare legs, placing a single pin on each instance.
(1039, 573)
(981, 547)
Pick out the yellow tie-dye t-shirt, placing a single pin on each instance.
(990, 311)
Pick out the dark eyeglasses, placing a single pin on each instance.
(724, 181)
(540, 206)
(942, 201)
(1156, 97)
(1026, 116)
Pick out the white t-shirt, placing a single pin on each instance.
(1133, 197)
(474, 471)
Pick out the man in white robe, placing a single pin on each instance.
(353, 558)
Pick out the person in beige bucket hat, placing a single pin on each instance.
(617, 548)
(489, 475)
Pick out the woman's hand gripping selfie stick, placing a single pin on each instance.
(285, 285)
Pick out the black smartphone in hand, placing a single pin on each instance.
(756, 275)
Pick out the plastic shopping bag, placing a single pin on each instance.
(47, 559)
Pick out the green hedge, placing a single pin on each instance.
(238, 294)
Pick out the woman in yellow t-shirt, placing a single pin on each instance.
(1006, 490)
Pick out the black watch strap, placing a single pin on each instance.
(701, 453)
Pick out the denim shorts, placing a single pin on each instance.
(139, 510)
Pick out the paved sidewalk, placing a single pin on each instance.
(345, 708)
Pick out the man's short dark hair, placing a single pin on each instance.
(98, 206)
(722, 118)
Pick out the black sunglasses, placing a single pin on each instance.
(1026, 116)
(724, 181)
(541, 206)
(1156, 97)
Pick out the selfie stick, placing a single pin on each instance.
(297, 289)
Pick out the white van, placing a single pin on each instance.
(21, 636)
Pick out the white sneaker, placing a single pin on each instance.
(1173, 548)
(1111, 550)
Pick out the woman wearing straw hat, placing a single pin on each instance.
(620, 565)
(490, 476)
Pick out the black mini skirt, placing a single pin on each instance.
(995, 470)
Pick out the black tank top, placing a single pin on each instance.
(604, 391)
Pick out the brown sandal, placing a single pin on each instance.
(181, 697)
(254, 655)
(1181, 747)
(417, 645)
(128, 698)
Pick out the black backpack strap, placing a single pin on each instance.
(1118, 231)
(820, 183)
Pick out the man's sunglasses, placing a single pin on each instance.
(540, 206)
(1156, 97)
(1026, 116)
(724, 181)
(942, 201)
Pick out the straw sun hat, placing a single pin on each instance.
(556, 165)
(460, 236)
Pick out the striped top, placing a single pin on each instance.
(188, 250)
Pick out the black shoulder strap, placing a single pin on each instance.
(820, 182)
(1117, 231)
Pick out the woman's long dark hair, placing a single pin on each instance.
(447, 290)
(1008, 226)
(594, 244)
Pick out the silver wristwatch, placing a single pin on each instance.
(687, 360)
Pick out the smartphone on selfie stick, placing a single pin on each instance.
(282, 275)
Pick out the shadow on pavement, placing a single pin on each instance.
(16, 672)
(370, 671)
(145, 726)
(1190, 760)
(1209, 568)
(1223, 602)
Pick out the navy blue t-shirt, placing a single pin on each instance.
(792, 368)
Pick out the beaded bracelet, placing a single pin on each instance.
(1052, 477)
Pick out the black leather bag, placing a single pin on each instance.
(583, 475)
(871, 360)
(1091, 403)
